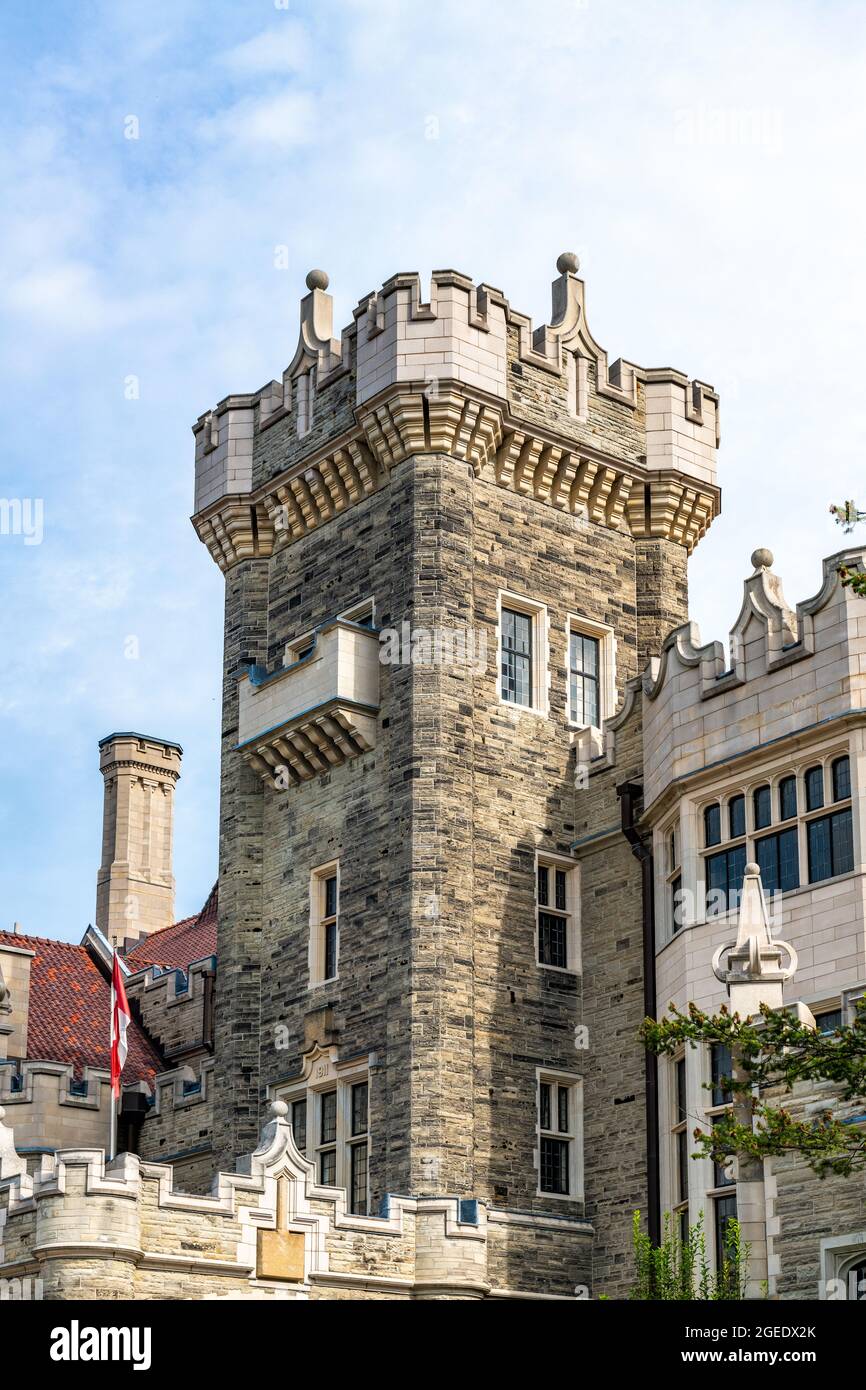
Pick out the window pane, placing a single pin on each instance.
(682, 1141)
(841, 779)
(720, 1064)
(560, 890)
(516, 657)
(787, 798)
(331, 897)
(677, 903)
(842, 841)
(299, 1124)
(563, 1109)
(358, 1180)
(763, 808)
(737, 816)
(720, 1178)
(831, 846)
(736, 872)
(328, 1127)
(554, 1165)
(543, 889)
(359, 1108)
(829, 1021)
(779, 861)
(552, 940)
(590, 656)
(814, 788)
(330, 950)
(725, 1212)
(712, 824)
(682, 1109)
(789, 860)
(328, 1167)
(544, 1105)
(717, 882)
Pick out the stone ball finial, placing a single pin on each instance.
(567, 262)
(753, 871)
(762, 559)
(317, 280)
(279, 1109)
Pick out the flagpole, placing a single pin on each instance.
(112, 1143)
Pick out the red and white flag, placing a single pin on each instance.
(120, 1017)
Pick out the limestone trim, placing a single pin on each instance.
(476, 428)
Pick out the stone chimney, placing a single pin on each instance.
(135, 883)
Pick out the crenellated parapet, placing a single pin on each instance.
(790, 670)
(540, 412)
(121, 1229)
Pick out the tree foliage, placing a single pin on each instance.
(778, 1051)
(678, 1270)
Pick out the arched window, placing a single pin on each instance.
(713, 824)
(841, 779)
(814, 788)
(737, 817)
(762, 807)
(787, 798)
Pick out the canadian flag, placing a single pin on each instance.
(120, 1017)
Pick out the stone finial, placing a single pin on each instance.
(317, 280)
(567, 263)
(754, 973)
(762, 559)
(279, 1110)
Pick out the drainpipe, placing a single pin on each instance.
(631, 795)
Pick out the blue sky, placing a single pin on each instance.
(704, 159)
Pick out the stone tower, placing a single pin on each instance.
(135, 883)
(448, 542)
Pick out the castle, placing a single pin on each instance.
(485, 803)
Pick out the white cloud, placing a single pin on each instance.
(284, 48)
(282, 122)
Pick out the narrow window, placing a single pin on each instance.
(681, 1135)
(516, 657)
(712, 824)
(358, 1199)
(841, 779)
(787, 798)
(557, 1121)
(299, 1125)
(725, 1211)
(762, 806)
(720, 1073)
(737, 817)
(327, 1146)
(324, 924)
(814, 788)
(584, 677)
(556, 930)
(677, 902)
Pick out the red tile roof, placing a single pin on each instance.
(176, 947)
(70, 1011)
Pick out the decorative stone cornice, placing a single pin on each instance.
(449, 418)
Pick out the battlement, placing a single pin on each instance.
(790, 671)
(538, 410)
(91, 1228)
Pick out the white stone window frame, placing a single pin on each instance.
(311, 1091)
(671, 869)
(839, 1256)
(537, 612)
(606, 637)
(317, 941)
(574, 1137)
(543, 859)
(677, 1125)
(704, 1166)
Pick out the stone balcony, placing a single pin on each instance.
(317, 712)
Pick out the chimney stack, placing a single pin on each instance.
(135, 883)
